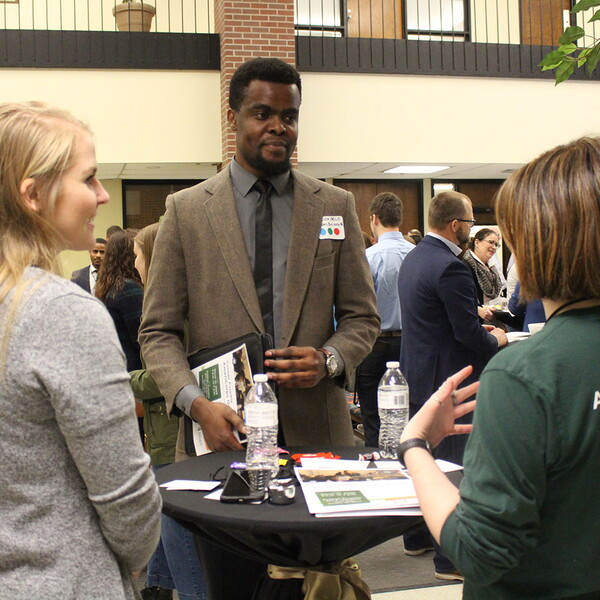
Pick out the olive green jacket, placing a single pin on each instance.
(160, 429)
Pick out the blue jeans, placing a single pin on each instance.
(175, 563)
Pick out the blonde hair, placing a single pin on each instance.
(37, 142)
(145, 239)
(549, 214)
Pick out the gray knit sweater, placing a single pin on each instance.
(79, 507)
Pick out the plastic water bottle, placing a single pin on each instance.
(392, 401)
(260, 410)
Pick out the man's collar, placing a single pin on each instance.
(243, 180)
(455, 249)
(390, 235)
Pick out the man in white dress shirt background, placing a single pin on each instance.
(86, 277)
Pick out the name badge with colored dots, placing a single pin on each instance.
(332, 228)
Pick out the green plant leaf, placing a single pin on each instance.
(595, 17)
(571, 34)
(552, 59)
(584, 5)
(592, 58)
(567, 49)
(564, 71)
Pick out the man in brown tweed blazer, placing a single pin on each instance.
(202, 273)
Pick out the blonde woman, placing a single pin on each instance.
(80, 508)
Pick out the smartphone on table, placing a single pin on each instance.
(237, 488)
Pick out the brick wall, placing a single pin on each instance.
(247, 29)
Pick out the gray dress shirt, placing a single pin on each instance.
(282, 202)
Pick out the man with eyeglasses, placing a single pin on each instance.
(441, 332)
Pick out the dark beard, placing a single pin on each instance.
(268, 167)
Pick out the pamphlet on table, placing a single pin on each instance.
(344, 488)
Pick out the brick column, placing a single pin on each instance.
(248, 29)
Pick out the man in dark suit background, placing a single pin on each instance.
(86, 277)
(441, 332)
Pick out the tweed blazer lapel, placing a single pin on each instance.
(222, 215)
(304, 239)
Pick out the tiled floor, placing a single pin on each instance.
(447, 592)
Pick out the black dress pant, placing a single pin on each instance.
(368, 374)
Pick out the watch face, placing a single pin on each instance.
(332, 365)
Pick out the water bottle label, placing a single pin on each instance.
(261, 414)
(392, 399)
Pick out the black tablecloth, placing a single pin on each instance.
(284, 535)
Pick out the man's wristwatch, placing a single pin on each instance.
(412, 443)
(331, 363)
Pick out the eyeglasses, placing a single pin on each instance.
(471, 221)
(492, 243)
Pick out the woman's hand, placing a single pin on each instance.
(485, 313)
(435, 419)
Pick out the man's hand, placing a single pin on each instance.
(217, 421)
(296, 366)
(500, 335)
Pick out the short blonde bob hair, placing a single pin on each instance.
(37, 142)
(549, 214)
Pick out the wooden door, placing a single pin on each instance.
(408, 190)
(375, 19)
(542, 21)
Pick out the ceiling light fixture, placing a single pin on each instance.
(416, 169)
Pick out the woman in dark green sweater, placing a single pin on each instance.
(526, 521)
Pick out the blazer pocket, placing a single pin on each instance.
(322, 262)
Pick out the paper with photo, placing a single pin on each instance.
(355, 489)
(224, 379)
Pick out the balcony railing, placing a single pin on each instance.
(501, 38)
(491, 38)
(171, 16)
(84, 34)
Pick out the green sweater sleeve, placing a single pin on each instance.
(497, 519)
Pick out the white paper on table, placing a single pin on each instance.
(216, 495)
(390, 512)
(332, 463)
(190, 484)
(341, 463)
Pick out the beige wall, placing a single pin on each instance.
(170, 117)
(108, 214)
(136, 116)
(408, 118)
(173, 117)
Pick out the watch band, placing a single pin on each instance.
(412, 443)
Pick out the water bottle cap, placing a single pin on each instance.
(260, 378)
(392, 364)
